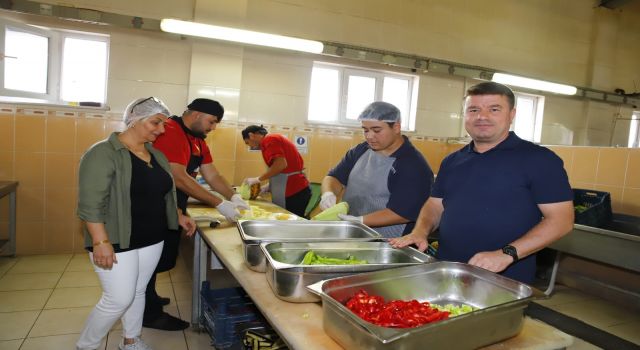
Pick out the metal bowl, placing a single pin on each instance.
(501, 302)
(288, 278)
(254, 232)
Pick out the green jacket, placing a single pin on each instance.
(104, 189)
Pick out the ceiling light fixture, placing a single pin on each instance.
(534, 84)
(240, 35)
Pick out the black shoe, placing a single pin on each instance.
(165, 322)
(163, 301)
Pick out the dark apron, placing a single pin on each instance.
(172, 242)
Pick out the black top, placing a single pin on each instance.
(149, 185)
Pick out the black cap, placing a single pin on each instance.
(205, 105)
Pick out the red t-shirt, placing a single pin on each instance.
(276, 145)
(173, 143)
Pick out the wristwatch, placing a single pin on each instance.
(512, 251)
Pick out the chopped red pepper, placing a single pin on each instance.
(396, 313)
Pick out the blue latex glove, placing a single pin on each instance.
(357, 219)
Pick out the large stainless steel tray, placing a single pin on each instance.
(254, 232)
(501, 302)
(288, 279)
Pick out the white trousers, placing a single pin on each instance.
(123, 295)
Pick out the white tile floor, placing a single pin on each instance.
(44, 301)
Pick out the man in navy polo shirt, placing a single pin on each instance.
(498, 200)
(385, 179)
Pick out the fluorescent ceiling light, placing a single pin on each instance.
(240, 35)
(528, 83)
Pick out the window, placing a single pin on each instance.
(634, 130)
(45, 65)
(528, 121)
(338, 94)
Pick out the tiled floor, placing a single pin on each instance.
(44, 301)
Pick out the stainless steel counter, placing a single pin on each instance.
(300, 324)
(604, 245)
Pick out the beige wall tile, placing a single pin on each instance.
(585, 164)
(222, 143)
(320, 148)
(616, 196)
(30, 202)
(318, 170)
(61, 135)
(58, 236)
(226, 168)
(60, 203)
(89, 131)
(248, 168)
(583, 185)
(6, 166)
(632, 177)
(29, 133)
(6, 133)
(566, 154)
(60, 170)
(631, 201)
(612, 166)
(29, 169)
(30, 237)
(434, 153)
(339, 147)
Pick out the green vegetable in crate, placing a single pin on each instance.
(331, 214)
(580, 208)
(311, 258)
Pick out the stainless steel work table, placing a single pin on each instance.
(300, 325)
(8, 246)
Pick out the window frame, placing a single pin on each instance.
(345, 71)
(538, 106)
(634, 130)
(56, 37)
(83, 36)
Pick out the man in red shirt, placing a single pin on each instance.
(288, 185)
(183, 143)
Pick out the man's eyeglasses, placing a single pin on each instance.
(145, 100)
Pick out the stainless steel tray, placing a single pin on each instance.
(288, 279)
(254, 232)
(501, 302)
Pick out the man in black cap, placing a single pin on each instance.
(183, 143)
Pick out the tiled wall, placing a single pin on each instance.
(613, 170)
(41, 149)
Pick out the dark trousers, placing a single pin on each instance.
(152, 306)
(298, 202)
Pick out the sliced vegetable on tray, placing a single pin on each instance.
(400, 313)
(311, 258)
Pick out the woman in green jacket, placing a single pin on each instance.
(127, 201)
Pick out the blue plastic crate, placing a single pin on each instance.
(222, 310)
(595, 207)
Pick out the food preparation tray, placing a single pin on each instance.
(254, 232)
(501, 302)
(288, 278)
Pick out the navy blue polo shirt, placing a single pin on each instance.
(490, 199)
(409, 180)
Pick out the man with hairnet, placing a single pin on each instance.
(183, 143)
(385, 179)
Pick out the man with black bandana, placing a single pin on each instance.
(183, 143)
